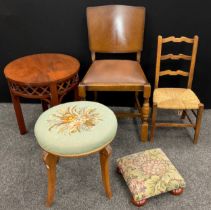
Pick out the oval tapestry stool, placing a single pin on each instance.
(76, 129)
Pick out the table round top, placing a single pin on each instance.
(42, 68)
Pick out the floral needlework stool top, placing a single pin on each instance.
(74, 119)
(73, 128)
(149, 173)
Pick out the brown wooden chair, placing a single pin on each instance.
(117, 29)
(177, 98)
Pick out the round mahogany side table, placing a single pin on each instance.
(47, 77)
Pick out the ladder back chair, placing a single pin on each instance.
(183, 99)
(117, 29)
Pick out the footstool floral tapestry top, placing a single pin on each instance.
(149, 173)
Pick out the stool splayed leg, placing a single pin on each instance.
(50, 162)
(74, 130)
(104, 161)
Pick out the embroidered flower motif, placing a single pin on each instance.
(74, 119)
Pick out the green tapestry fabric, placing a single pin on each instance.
(149, 173)
(75, 128)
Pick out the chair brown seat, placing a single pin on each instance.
(118, 29)
(115, 71)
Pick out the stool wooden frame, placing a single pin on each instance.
(192, 59)
(51, 161)
(117, 44)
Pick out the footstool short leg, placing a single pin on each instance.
(118, 170)
(177, 191)
(50, 162)
(138, 203)
(104, 161)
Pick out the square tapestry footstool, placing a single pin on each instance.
(148, 174)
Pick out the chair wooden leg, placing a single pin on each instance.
(95, 95)
(154, 115)
(198, 123)
(145, 114)
(76, 94)
(50, 162)
(104, 161)
(19, 114)
(183, 115)
(44, 105)
(82, 92)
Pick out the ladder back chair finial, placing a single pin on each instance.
(177, 98)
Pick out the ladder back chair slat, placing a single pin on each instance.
(173, 73)
(176, 57)
(171, 56)
(176, 40)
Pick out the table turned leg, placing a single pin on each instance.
(19, 114)
(50, 162)
(104, 161)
